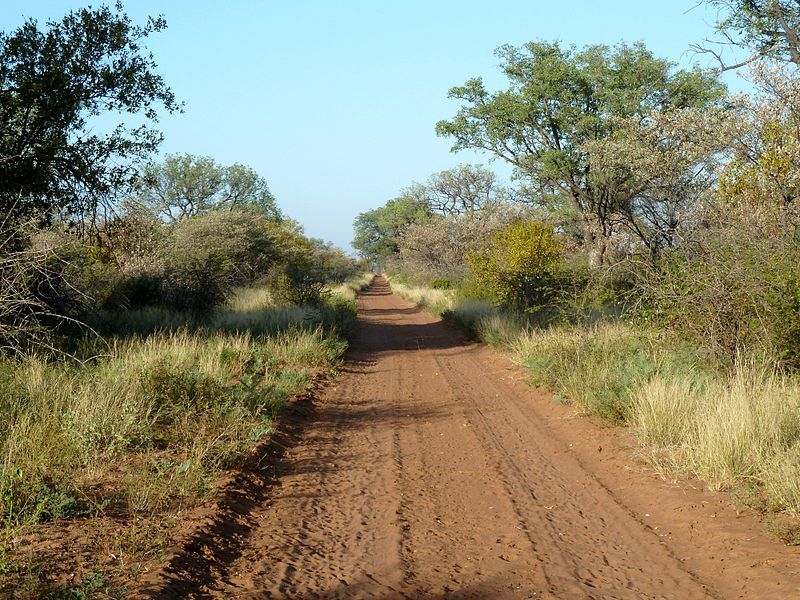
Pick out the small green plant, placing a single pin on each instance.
(90, 586)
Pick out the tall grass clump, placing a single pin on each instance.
(600, 366)
(739, 429)
(352, 286)
(484, 321)
(154, 410)
(436, 301)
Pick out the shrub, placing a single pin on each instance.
(736, 291)
(245, 244)
(296, 286)
(195, 284)
(517, 267)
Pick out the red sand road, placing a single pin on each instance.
(428, 470)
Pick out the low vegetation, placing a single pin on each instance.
(436, 301)
(736, 427)
(145, 420)
(155, 314)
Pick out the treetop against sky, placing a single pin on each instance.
(335, 104)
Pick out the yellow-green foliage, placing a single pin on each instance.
(516, 267)
(762, 184)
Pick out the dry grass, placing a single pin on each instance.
(179, 406)
(151, 418)
(351, 287)
(731, 431)
(434, 301)
(737, 431)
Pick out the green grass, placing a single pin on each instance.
(174, 407)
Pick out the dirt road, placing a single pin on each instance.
(428, 470)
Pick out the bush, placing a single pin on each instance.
(196, 284)
(295, 286)
(138, 291)
(441, 284)
(736, 292)
(517, 267)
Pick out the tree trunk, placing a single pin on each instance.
(595, 241)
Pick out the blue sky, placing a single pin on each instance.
(335, 103)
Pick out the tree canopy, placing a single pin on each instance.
(184, 185)
(466, 189)
(377, 231)
(764, 29)
(54, 82)
(561, 99)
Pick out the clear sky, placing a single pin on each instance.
(335, 102)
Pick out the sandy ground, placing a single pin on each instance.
(428, 469)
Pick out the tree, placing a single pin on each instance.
(377, 231)
(437, 248)
(244, 245)
(54, 82)
(558, 101)
(765, 29)
(670, 162)
(333, 264)
(467, 189)
(762, 182)
(184, 186)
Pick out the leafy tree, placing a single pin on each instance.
(333, 264)
(437, 248)
(669, 162)
(377, 231)
(762, 182)
(244, 245)
(54, 82)
(558, 101)
(184, 186)
(765, 29)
